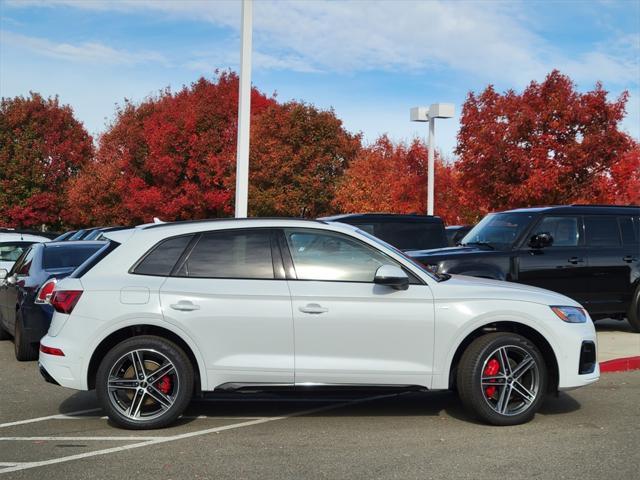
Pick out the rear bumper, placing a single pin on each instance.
(67, 370)
(47, 378)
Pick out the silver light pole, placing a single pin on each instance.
(429, 114)
(244, 112)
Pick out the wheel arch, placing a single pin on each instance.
(527, 332)
(131, 331)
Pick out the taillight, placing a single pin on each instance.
(44, 294)
(51, 351)
(64, 301)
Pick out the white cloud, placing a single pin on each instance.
(491, 40)
(88, 52)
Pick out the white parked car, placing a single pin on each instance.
(13, 244)
(169, 309)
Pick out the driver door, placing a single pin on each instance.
(347, 329)
(561, 267)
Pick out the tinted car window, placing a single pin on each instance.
(407, 236)
(500, 230)
(328, 256)
(629, 234)
(162, 259)
(236, 254)
(22, 267)
(602, 231)
(564, 230)
(66, 256)
(11, 251)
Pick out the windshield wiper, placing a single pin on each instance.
(482, 244)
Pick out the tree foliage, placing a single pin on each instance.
(548, 145)
(42, 145)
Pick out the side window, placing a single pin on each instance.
(602, 231)
(629, 234)
(25, 264)
(161, 260)
(234, 254)
(564, 230)
(333, 257)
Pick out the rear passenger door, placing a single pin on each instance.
(608, 266)
(229, 292)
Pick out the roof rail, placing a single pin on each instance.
(223, 219)
(603, 205)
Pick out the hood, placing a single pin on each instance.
(450, 251)
(464, 287)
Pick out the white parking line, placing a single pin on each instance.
(59, 416)
(79, 439)
(183, 436)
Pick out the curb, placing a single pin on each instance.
(620, 365)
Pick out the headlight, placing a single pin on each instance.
(571, 314)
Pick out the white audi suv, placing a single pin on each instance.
(167, 310)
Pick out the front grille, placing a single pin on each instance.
(587, 358)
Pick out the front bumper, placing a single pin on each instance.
(577, 358)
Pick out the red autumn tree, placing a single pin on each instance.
(172, 157)
(622, 185)
(42, 145)
(548, 145)
(393, 178)
(298, 154)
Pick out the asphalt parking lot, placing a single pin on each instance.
(588, 433)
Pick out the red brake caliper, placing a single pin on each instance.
(164, 384)
(492, 368)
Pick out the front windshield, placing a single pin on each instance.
(498, 231)
(422, 268)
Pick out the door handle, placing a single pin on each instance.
(313, 308)
(575, 260)
(629, 259)
(185, 306)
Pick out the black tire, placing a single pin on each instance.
(118, 362)
(4, 335)
(487, 401)
(25, 351)
(633, 315)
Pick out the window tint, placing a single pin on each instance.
(11, 251)
(66, 256)
(500, 230)
(328, 256)
(564, 230)
(25, 263)
(629, 234)
(407, 236)
(234, 254)
(161, 260)
(602, 231)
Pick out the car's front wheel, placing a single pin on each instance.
(145, 382)
(502, 378)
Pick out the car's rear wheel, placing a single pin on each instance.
(502, 378)
(633, 315)
(25, 351)
(145, 382)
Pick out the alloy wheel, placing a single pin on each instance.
(510, 380)
(143, 384)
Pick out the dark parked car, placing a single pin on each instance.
(405, 232)
(587, 252)
(25, 312)
(455, 233)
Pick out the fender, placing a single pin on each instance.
(441, 377)
(155, 322)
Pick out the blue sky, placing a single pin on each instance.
(369, 60)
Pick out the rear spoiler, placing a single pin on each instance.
(119, 236)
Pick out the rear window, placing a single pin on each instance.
(11, 251)
(408, 235)
(161, 260)
(66, 256)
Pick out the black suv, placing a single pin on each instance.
(590, 253)
(405, 232)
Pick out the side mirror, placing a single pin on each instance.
(541, 240)
(392, 276)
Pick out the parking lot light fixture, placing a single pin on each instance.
(429, 114)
